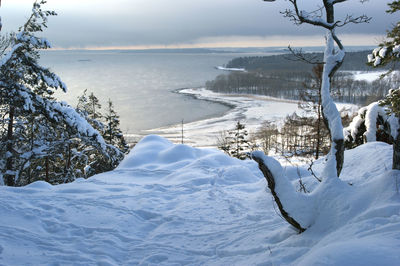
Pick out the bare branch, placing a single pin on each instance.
(338, 1)
(354, 20)
(301, 16)
(304, 57)
(312, 172)
(315, 18)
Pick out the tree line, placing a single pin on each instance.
(354, 61)
(289, 84)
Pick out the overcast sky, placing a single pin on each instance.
(191, 23)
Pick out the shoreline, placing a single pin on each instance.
(183, 91)
(252, 110)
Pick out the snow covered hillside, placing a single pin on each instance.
(172, 204)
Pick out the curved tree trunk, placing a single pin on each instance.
(271, 185)
(333, 60)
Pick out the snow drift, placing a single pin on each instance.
(172, 204)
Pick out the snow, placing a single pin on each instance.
(368, 76)
(396, 50)
(9, 55)
(383, 52)
(296, 205)
(172, 204)
(231, 69)
(352, 129)
(250, 110)
(369, 115)
(330, 110)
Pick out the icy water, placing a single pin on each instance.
(141, 85)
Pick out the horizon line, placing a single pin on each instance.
(231, 42)
(136, 48)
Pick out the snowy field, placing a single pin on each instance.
(172, 204)
(251, 110)
(371, 76)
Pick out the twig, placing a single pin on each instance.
(302, 57)
(312, 172)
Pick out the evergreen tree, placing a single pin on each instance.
(88, 107)
(35, 128)
(389, 52)
(236, 143)
(112, 133)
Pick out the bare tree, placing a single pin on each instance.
(333, 59)
(323, 17)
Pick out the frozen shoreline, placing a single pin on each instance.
(249, 109)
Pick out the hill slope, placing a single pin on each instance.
(173, 204)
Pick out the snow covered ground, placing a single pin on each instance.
(370, 76)
(231, 69)
(172, 204)
(250, 110)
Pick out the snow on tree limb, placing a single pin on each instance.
(371, 117)
(389, 50)
(293, 206)
(26, 94)
(374, 117)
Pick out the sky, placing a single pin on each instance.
(140, 24)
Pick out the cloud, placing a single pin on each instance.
(101, 23)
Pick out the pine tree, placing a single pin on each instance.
(88, 107)
(235, 143)
(22, 79)
(112, 133)
(34, 127)
(389, 52)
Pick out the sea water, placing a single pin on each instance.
(142, 86)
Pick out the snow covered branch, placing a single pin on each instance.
(301, 16)
(389, 50)
(291, 204)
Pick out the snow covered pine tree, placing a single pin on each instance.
(389, 52)
(26, 98)
(296, 208)
(107, 125)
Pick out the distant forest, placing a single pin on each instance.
(354, 61)
(283, 76)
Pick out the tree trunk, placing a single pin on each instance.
(47, 169)
(9, 178)
(396, 152)
(271, 184)
(330, 112)
(318, 129)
